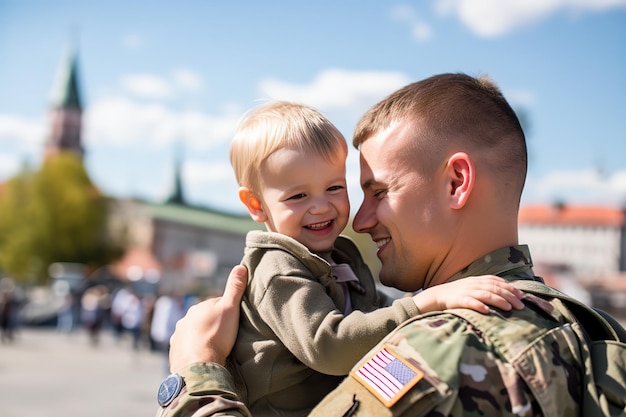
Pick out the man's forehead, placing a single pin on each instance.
(391, 137)
(371, 175)
(381, 150)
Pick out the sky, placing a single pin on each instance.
(162, 80)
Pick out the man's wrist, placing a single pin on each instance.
(200, 377)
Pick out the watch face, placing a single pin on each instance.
(169, 389)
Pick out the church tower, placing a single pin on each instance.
(177, 196)
(66, 110)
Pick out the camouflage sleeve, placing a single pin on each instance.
(208, 391)
(394, 379)
(436, 364)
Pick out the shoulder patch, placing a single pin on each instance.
(387, 376)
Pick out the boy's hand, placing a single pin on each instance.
(476, 293)
(208, 331)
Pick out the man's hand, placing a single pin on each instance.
(208, 331)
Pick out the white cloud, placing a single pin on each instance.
(212, 182)
(150, 86)
(204, 131)
(197, 172)
(22, 133)
(121, 122)
(420, 30)
(147, 86)
(188, 80)
(9, 165)
(21, 140)
(337, 89)
(493, 18)
(578, 186)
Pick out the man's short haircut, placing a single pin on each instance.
(280, 124)
(459, 109)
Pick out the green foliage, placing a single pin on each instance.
(53, 215)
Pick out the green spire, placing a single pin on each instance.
(177, 196)
(66, 93)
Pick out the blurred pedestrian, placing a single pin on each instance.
(168, 309)
(65, 316)
(8, 310)
(148, 301)
(132, 317)
(118, 305)
(94, 303)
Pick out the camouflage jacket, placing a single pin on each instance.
(437, 364)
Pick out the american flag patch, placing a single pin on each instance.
(387, 376)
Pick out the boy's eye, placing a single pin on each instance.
(335, 188)
(297, 196)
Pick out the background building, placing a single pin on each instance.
(591, 240)
(580, 250)
(176, 246)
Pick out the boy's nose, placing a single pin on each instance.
(320, 205)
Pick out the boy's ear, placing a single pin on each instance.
(253, 204)
(461, 177)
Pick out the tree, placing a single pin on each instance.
(53, 215)
(15, 230)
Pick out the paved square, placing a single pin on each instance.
(44, 373)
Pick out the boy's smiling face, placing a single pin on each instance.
(305, 197)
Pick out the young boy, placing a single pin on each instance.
(311, 309)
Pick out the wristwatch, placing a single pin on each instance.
(169, 389)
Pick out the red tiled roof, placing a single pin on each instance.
(572, 215)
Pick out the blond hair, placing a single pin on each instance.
(276, 125)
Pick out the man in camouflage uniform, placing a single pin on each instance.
(443, 164)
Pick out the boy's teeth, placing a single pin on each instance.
(318, 225)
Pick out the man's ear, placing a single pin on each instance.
(461, 177)
(253, 204)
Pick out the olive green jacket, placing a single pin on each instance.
(294, 343)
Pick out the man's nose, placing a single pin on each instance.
(364, 220)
